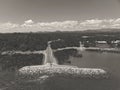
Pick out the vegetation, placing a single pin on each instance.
(16, 61)
(63, 55)
(38, 41)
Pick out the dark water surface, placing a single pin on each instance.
(108, 61)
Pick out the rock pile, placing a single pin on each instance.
(40, 72)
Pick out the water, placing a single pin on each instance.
(107, 61)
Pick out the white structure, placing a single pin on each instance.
(116, 42)
(102, 44)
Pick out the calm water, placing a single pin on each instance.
(107, 61)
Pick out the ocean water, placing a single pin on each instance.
(107, 61)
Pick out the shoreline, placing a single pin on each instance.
(111, 50)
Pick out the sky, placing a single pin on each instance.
(52, 15)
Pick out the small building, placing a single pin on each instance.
(102, 44)
(84, 37)
(115, 43)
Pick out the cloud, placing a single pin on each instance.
(28, 22)
(7, 27)
(100, 24)
(58, 25)
(31, 26)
